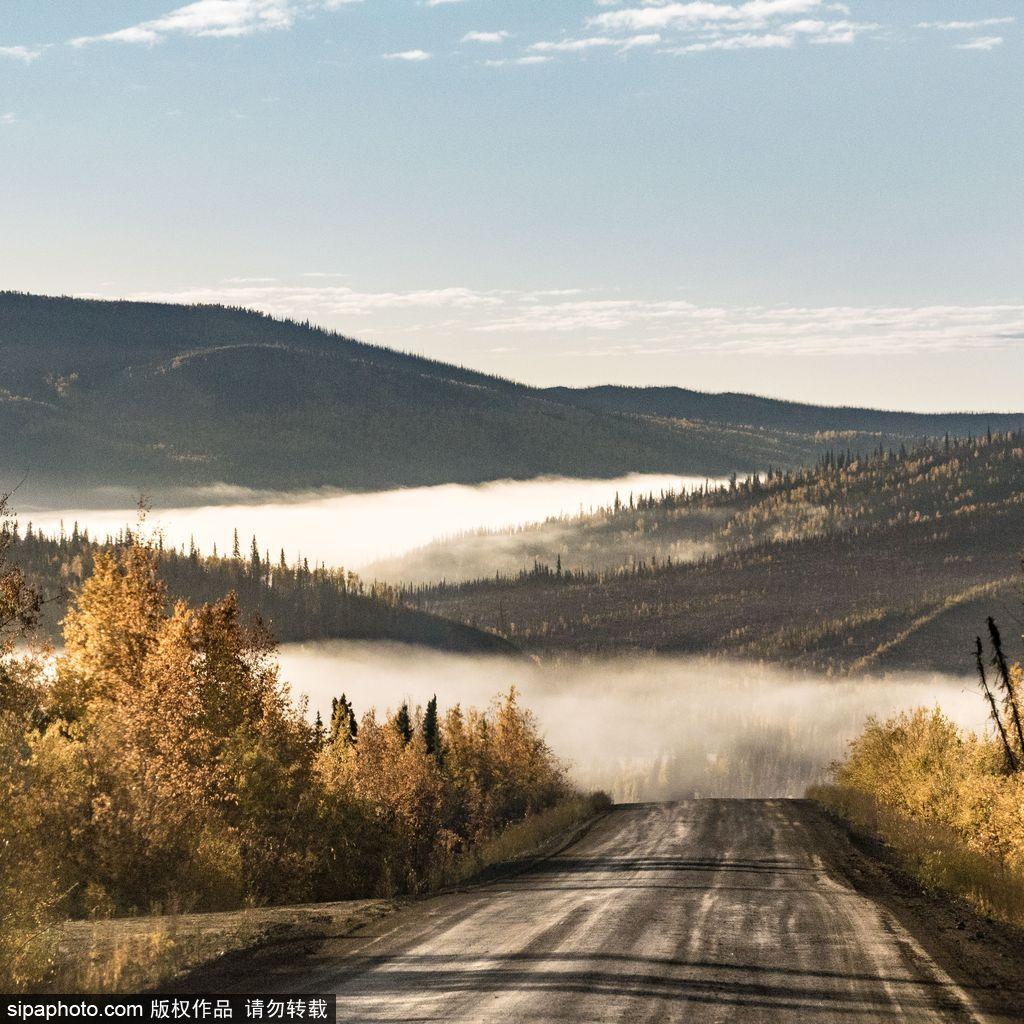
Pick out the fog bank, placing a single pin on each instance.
(644, 728)
(353, 530)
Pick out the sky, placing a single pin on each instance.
(802, 198)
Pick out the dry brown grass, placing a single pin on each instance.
(535, 836)
(134, 954)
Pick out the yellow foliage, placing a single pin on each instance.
(165, 767)
(944, 801)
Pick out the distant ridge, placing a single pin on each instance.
(152, 396)
(780, 414)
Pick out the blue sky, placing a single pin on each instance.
(797, 197)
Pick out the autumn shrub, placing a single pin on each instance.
(944, 801)
(422, 809)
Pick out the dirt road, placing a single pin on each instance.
(700, 911)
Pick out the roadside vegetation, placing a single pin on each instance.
(159, 764)
(949, 804)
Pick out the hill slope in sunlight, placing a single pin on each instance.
(891, 561)
(155, 396)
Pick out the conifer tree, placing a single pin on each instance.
(431, 729)
(402, 723)
(343, 721)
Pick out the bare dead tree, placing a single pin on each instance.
(999, 661)
(1011, 760)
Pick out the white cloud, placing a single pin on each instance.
(699, 26)
(741, 42)
(439, 3)
(409, 55)
(8, 118)
(533, 58)
(644, 39)
(981, 43)
(210, 18)
(773, 8)
(700, 12)
(26, 54)
(573, 45)
(591, 42)
(673, 15)
(565, 317)
(954, 26)
(841, 31)
(485, 37)
(329, 300)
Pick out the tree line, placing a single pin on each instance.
(296, 600)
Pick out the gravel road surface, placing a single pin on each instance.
(699, 911)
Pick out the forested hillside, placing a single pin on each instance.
(294, 602)
(153, 396)
(149, 395)
(888, 561)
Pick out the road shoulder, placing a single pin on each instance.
(983, 956)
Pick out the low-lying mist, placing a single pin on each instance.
(644, 728)
(353, 530)
(479, 555)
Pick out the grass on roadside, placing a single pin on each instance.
(934, 853)
(532, 837)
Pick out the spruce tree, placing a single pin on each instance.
(343, 722)
(431, 730)
(403, 723)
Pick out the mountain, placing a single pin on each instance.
(893, 561)
(148, 396)
(777, 414)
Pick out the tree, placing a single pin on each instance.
(402, 723)
(110, 630)
(431, 730)
(19, 604)
(343, 722)
(1006, 680)
(28, 891)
